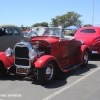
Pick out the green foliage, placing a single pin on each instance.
(86, 25)
(65, 20)
(45, 24)
(23, 28)
(68, 19)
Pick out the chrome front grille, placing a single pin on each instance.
(22, 62)
(21, 53)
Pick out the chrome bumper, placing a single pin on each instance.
(94, 52)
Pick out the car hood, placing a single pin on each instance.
(50, 40)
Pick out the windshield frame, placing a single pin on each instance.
(35, 34)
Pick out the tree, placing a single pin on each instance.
(45, 24)
(55, 21)
(23, 28)
(86, 25)
(65, 20)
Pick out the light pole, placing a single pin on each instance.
(93, 14)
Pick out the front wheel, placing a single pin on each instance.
(46, 74)
(3, 70)
(85, 58)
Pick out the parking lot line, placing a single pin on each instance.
(70, 85)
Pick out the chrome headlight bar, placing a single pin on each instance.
(9, 52)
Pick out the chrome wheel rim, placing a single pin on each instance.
(49, 72)
(85, 57)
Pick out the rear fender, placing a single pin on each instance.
(80, 53)
(42, 61)
(7, 61)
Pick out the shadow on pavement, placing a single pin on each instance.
(95, 57)
(60, 81)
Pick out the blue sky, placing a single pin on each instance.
(29, 12)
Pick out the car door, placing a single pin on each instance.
(69, 48)
(6, 38)
(64, 44)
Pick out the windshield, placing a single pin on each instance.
(45, 31)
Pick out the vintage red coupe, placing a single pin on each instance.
(46, 54)
(90, 37)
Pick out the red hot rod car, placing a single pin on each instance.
(46, 54)
(90, 37)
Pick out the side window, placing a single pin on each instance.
(5, 32)
(16, 32)
(88, 31)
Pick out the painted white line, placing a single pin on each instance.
(70, 85)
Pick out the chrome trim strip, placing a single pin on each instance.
(22, 58)
(20, 66)
(75, 66)
(94, 52)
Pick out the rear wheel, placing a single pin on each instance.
(85, 58)
(46, 74)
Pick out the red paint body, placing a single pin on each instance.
(60, 52)
(90, 36)
(8, 62)
(64, 52)
(42, 61)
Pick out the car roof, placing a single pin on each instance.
(89, 27)
(7, 25)
(97, 29)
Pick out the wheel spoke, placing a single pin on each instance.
(49, 72)
(85, 57)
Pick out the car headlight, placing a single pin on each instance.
(9, 52)
(33, 54)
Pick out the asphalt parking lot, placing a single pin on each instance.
(79, 84)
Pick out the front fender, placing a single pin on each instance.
(42, 61)
(7, 61)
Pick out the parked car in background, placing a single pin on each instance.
(25, 34)
(46, 54)
(9, 35)
(90, 36)
(27, 30)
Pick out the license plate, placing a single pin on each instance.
(21, 70)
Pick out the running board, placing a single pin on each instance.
(70, 67)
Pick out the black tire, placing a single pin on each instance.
(90, 55)
(3, 70)
(85, 58)
(45, 75)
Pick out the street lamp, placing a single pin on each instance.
(93, 14)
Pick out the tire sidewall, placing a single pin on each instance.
(85, 63)
(41, 74)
